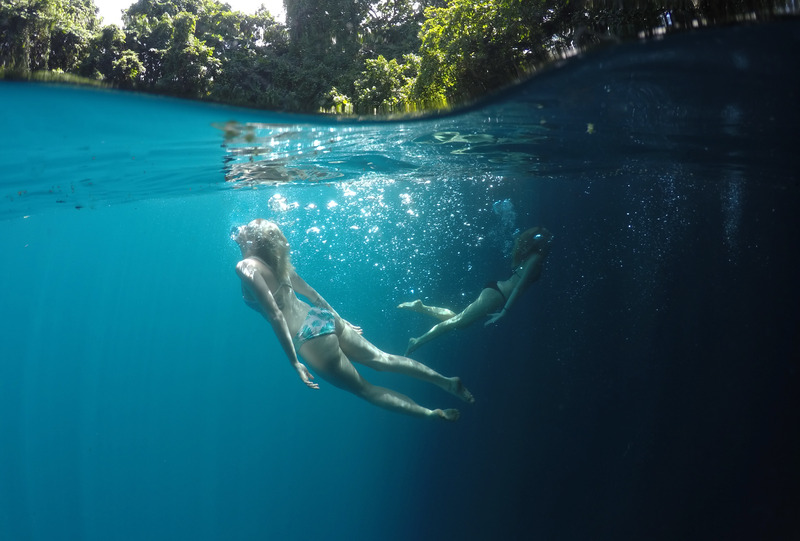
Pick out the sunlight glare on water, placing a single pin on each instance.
(401, 228)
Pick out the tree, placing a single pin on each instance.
(16, 19)
(391, 28)
(200, 48)
(469, 48)
(189, 64)
(344, 54)
(254, 61)
(76, 23)
(160, 32)
(582, 25)
(105, 48)
(385, 86)
(149, 37)
(45, 34)
(127, 70)
(324, 42)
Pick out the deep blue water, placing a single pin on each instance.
(644, 388)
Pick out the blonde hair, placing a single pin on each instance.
(264, 240)
(534, 240)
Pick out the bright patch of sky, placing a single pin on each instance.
(111, 10)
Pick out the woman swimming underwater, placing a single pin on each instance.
(318, 334)
(496, 299)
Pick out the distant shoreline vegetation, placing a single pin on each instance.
(45, 76)
(333, 56)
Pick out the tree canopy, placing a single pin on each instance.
(338, 55)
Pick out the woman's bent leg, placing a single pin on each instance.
(325, 357)
(488, 301)
(442, 314)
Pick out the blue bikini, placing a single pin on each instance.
(493, 285)
(318, 322)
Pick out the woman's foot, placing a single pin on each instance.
(414, 306)
(455, 387)
(412, 346)
(451, 414)
(442, 314)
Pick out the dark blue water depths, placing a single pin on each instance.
(645, 388)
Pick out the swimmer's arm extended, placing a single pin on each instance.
(255, 284)
(531, 271)
(300, 286)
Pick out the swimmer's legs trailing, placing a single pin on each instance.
(441, 314)
(488, 301)
(360, 350)
(436, 330)
(400, 403)
(333, 366)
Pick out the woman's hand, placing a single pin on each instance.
(356, 328)
(305, 375)
(495, 317)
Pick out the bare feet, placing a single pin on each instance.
(457, 388)
(442, 314)
(414, 306)
(451, 414)
(412, 346)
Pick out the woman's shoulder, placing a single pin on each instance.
(249, 266)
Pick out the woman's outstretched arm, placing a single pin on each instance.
(254, 282)
(300, 286)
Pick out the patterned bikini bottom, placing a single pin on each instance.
(318, 322)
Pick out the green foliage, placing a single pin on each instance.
(469, 48)
(45, 34)
(189, 65)
(253, 50)
(105, 48)
(578, 26)
(47, 76)
(71, 34)
(127, 70)
(386, 31)
(324, 44)
(338, 103)
(200, 48)
(341, 55)
(391, 28)
(385, 86)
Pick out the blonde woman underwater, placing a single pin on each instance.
(318, 334)
(496, 299)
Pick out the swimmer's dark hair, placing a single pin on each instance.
(264, 240)
(534, 240)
